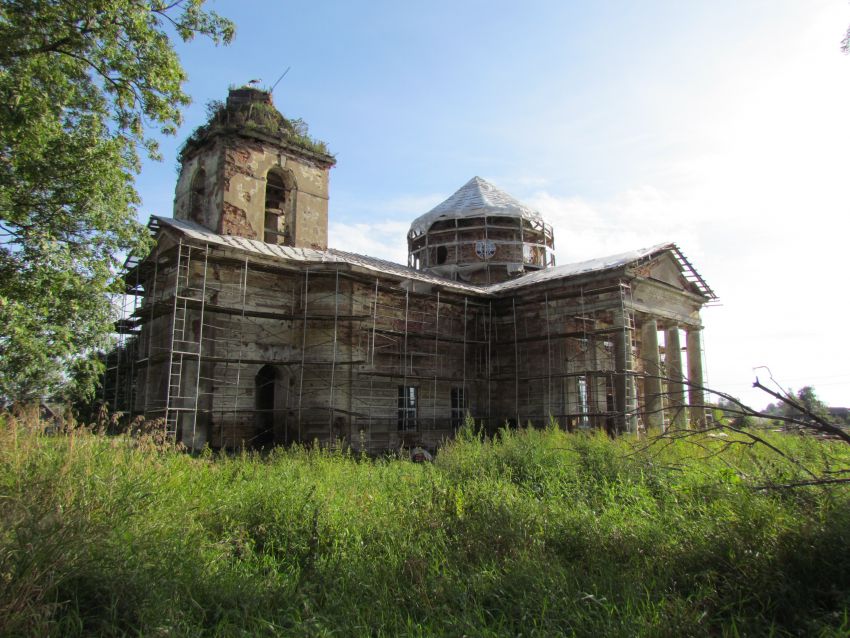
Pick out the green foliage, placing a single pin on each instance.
(807, 399)
(259, 117)
(533, 533)
(80, 82)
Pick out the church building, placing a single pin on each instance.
(243, 328)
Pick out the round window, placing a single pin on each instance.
(485, 248)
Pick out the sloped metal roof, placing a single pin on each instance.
(198, 233)
(476, 198)
(582, 267)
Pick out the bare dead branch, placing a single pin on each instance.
(814, 482)
(818, 422)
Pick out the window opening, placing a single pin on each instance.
(274, 226)
(408, 402)
(458, 407)
(581, 387)
(197, 196)
(610, 406)
(271, 230)
(264, 397)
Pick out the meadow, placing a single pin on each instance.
(527, 533)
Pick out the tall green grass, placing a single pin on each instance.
(531, 533)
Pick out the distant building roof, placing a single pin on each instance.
(476, 198)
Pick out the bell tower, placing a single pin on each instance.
(252, 173)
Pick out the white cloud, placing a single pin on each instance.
(407, 206)
(385, 239)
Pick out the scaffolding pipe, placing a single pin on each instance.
(131, 378)
(404, 363)
(303, 347)
(489, 361)
(436, 361)
(244, 285)
(150, 338)
(121, 342)
(200, 347)
(333, 359)
(548, 361)
(465, 304)
(169, 383)
(374, 322)
(516, 366)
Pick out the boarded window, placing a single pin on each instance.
(408, 403)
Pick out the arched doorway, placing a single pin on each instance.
(265, 387)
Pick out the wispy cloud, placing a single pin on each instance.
(385, 239)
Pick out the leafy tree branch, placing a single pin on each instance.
(85, 85)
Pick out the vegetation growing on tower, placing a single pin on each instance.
(255, 115)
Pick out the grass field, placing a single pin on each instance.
(533, 533)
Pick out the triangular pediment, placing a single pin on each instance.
(669, 269)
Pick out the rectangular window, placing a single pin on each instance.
(458, 407)
(408, 402)
(583, 406)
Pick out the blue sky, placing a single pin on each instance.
(722, 125)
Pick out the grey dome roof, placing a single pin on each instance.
(476, 198)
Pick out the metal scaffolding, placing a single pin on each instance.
(340, 348)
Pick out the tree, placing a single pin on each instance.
(84, 84)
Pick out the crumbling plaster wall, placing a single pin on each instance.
(246, 164)
(208, 158)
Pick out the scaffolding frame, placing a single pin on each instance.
(338, 365)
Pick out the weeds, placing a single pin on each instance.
(530, 532)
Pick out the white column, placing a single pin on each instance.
(696, 395)
(675, 387)
(652, 381)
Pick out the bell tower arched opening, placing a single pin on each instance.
(277, 226)
(197, 196)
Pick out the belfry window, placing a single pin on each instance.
(197, 196)
(272, 233)
(275, 230)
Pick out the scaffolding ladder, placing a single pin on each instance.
(632, 416)
(186, 346)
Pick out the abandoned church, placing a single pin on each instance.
(243, 328)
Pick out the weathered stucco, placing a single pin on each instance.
(236, 163)
(246, 166)
(209, 159)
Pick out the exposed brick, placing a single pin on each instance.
(234, 221)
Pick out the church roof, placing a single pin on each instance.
(194, 231)
(476, 198)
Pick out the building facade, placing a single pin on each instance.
(244, 329)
